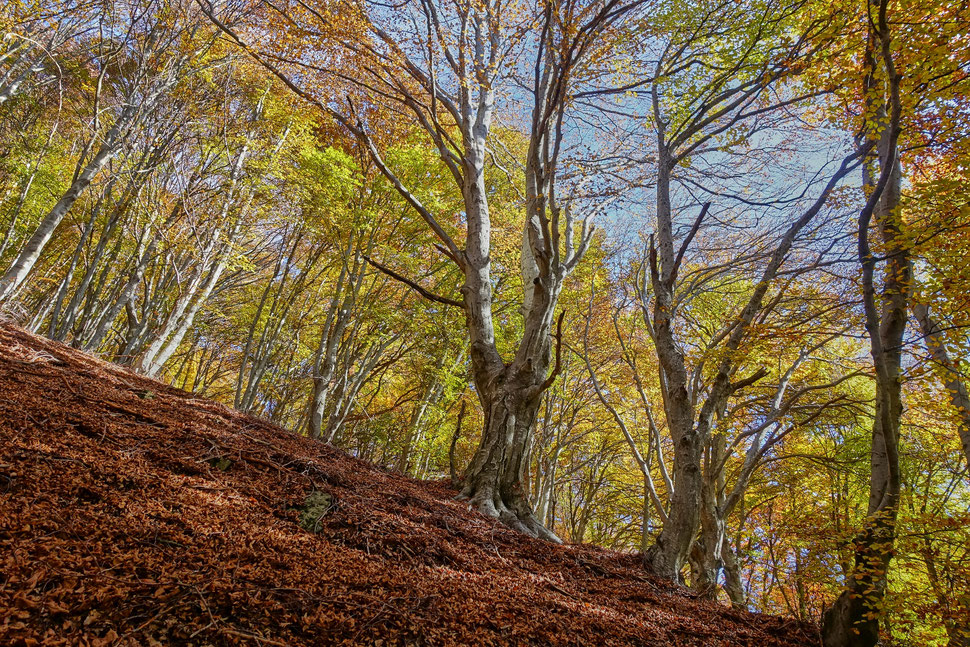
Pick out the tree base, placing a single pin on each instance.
(516, 513)
(844, 624)
(661, 563)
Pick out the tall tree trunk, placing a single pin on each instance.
(672, 546)
(339, 315)
(690, 426)
(510, 394)
(853, 620)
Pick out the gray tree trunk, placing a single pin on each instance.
(339, 315)
(690, 427)
(853, 620)
(18, 271)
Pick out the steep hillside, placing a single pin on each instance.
(133, 513)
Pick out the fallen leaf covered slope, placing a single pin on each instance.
(134, 513)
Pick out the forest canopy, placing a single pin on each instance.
(681, 278)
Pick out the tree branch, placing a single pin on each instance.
(427, 294)
(690, 236)
(748, 381)
(557, 369)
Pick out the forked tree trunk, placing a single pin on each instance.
(495, 480)
(691, 419)
(510, 394)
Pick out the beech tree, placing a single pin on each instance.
(694, 113)
(449, 79)
(802, 384)
(913, 87)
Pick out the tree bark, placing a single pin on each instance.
(853, 620)
(494, 479)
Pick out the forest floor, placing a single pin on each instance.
(133, 513)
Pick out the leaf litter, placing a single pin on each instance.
(174, 520)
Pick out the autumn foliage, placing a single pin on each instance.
(330, 286)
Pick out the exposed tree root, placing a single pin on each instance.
(515, 513)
